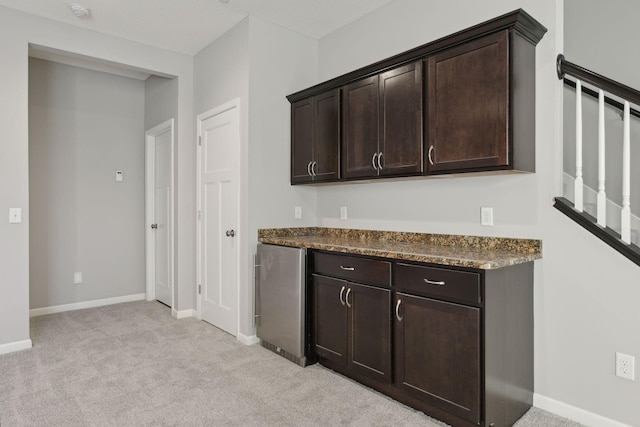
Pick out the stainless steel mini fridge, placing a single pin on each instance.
(280, 274)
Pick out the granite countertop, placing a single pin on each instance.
(483, 253)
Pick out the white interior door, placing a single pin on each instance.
(160, 213)
(219, 140)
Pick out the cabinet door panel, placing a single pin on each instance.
(438, 354)
(360, 128)
(370, 332)
(330, 319)
(401, 120)
(468, 95)
(301, 140)
(327, 136)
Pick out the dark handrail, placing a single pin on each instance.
(607, 100)
(625, 92)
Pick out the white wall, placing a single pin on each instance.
(600, 36)
(281, 62)
(83, 126)
(17, 30)
(585, 293)
(260, 63)
(160, 101)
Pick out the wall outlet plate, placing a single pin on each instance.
(297, 212)
(625, 366)
(77, 277)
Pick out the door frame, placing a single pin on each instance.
(149, 187)
(233, 104)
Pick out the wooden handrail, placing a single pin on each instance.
(627, 93)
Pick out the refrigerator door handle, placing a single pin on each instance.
(256, 292)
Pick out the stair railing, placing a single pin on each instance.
(628, 95)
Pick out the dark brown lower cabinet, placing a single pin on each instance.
(352, 327)
(455, 343)
(437, 354)
(330, 320)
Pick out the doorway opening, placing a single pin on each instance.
(87, 121)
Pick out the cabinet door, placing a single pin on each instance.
(360, 128)
(468, 100)
(301, 140)
(437, 353)
(401, 120)
(370, 331)
(327, 136)
(330, 319)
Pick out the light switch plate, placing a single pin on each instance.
(77, 277)
(343, 212)
(486, 215)
(15, 215)
(297, 212)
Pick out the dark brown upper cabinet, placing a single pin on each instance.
(471, 100)
(462, 103)
(360, 129)
(382, 124)
(315, 142)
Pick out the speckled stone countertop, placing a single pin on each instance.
(483, 253)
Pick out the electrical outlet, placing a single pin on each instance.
(625, 366)
(486, 215)
(77, 277)
(297, 212)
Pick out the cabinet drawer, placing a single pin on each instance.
(438, 282)
(352, 268)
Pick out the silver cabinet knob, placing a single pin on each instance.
(154, 226)
(230, 233)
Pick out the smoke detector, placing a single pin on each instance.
(79, 10)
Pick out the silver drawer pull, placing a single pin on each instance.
(341, 293)
(431, 282)
(347, 268)
(398, 310)
(346, 297)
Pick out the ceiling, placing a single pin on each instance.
(187, 26)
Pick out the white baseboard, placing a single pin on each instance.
(574, 413)
(15, 346)
(247, 339)
(182, 314)
(85, 304)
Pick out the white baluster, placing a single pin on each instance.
(625, 233)
(578, 189)
(602, 195)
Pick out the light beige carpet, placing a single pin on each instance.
(133, 365)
